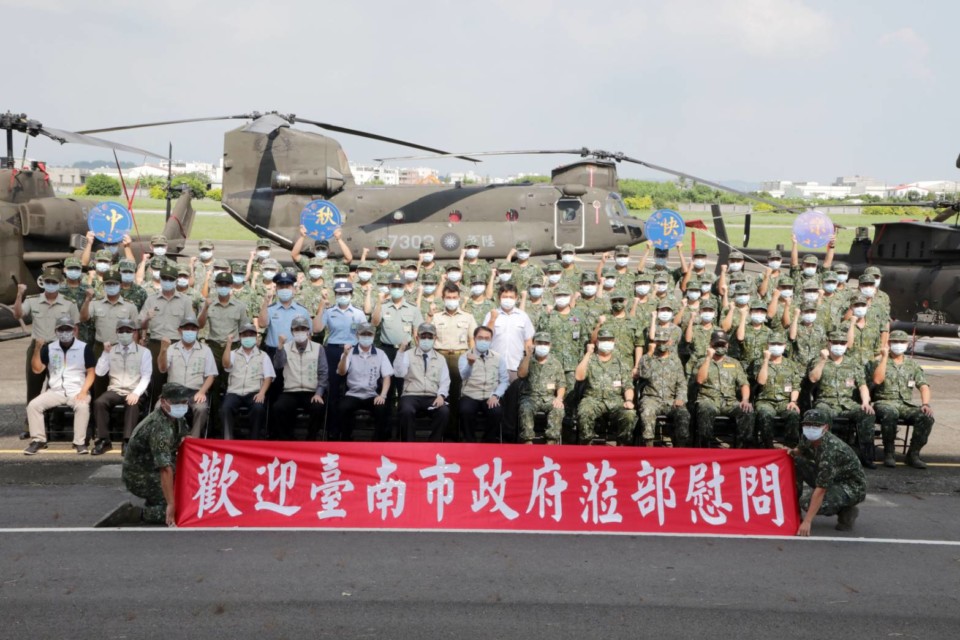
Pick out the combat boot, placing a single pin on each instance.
(913, 459)
(846, 518)
(126, 514)
(889, 455)
(866, 456)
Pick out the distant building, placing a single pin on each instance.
(364, 173)
(419, 175)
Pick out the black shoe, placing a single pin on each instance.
(846, 518)
(123, 448)
(124, 514)
(100, 447)
(24, 435)
(81, 449)
(34, 447)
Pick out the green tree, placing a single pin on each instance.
(215, 194)
(102, 185)
(197, 182)
(639, 203)
(158, 192)
(534, 179)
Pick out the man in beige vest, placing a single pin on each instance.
(129, 368)
(251, 374)
(305, 379)
(190, 363)
(426, 384)
(485, 380)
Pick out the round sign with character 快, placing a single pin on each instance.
(665, 228)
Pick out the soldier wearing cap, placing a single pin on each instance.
(532, 301)
(262, 280)
(243, 293)
(663, 290)
(697, 333)
(895, 377)
(807, 334)
(552, 280)
(471, 264)
(699, 264)
(160, 318)
(837, 381)
(321, 249)
(644, 300)
(454, 274)
(395, 319)
(184, 287)
(129, 368)
(689, 306)
(479, 303)
(483, 372)
(204, 266)
(830, 468)
(782, 303)
(129, 289)
(752, 334)
(74, 289)
(664, 319)
(608, 391)
(341, 322)
(314, 293)
(571, 270)
(191, 364)
(721, 378)
(544, 391)
(150, 463)
(621, 261)
(303, 372)
(660, 264)
(43, 311)
(833, 302)
(810, 266)
(367, 372)
(780, 380)
(69, 365)
(103, 263)
(411, 282)
(108, 256)
(364, 291)
(879, 310)
(842, 269)
(250, 375)
(630, 338)
(771, 275)
(734, 270)
(428, 263)
(429, 299)
(570, 330)
(867, 335)
(663, 391)
(609, 284)
(504, 274)
(587, 299)
(148, 274)
(524, 271)
(383, 264)
(426, 384)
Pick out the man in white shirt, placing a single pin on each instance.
(363, 367)
(512, 336)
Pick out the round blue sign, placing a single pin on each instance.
(813, 229)
(109, 221)
(321, 218)
(665, 228)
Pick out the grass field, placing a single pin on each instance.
(141, 204)
(206, 227)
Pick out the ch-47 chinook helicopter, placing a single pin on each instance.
(273, 171)
(36, 227)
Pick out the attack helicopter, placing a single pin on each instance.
(38, 228)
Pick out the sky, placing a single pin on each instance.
(724, 89)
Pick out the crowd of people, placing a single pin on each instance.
(483, 348)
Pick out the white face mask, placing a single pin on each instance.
(741, 299)
(808, 318)
(589, 290)
(428, 289)
(777, 349)
(830, 287)
(364, 276)
(693, 295)
(206, 256)
(642, 289)
(605, 346)
(523, 255)
(103, 267)
(705, 288)
(301, 336)
(427, 257)
(707, 316)
(554, 278)
(125, 339)
(472, 254)
(477, 289)
(507, 304)
(898, 348)
(758, 318)
(541, 350)
(505, 277)
(65, 336)
(155, 273)
(126, 277)
(183, 282)
(382, 254)
(860, 312)
(609, 283)
(160, 251)
(665, 316)
(661, 287)
(869, 292)
(735, 266)
(809, 271)
(843, 277)
(454, 276)
(320, 254)
(566, 258)
(774, 264)
(838, 349)
(343, 301)
(699, 264)
(786, 294)
(536, 292)
(269, 275)
(562, 302)
(315, 274)
(622, 261)
(409, 276)
(451, 304)
(813, 433)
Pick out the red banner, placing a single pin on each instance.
(472, 486)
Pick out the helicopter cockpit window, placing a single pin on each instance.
(616, 206)
(569, 210)
(613, 213)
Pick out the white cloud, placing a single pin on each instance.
(912, 52)
(787, 28)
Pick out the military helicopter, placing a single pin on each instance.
(36, 227)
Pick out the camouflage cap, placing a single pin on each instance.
(814, 416)
(808, 305)
(183, 270)
(785, 281)
(168, 271)
(740, 288)
(709, 303)
(189, 320)
(472, 241)
(366, 265)
(605, 334)
(452, 266)
(859, 299)
(158, 241)
(837, 336)
(774, 255)
(661, 278)
(365, 328)
(52, 273)
(841, 267)
(206, 245)
(478, 278)
(427, 327)
(221, 263)
(643, 277)
(238, 267)
(223, 278)
(616, 295)
(899, 336)
(873, 271)
(72, 262)
(383, 278)
(382, 243)
(158, 263)
(263, 243)
(811, 285)
(410, 264)
(621, 250)
(609, 272)
(700, 253)
(126, 323)
(535, 281)
(736, 277)
(553, 266)
(830, 276)
(127, 265)
(707, 278)
(505, 266)
(542, 336)
(757, 302)
(588, 276)
(176, 393)
(867, 278)
(315, 262)
(718, 337)
(777, 337)
(64, 321)
(810, 259)
(567, 248)
(426, 245)
(103, 254)
(341, 269)
(693, 284)
(666, 303)
(430, 278)
(523, 245)
(736, 255)
(270, 263)
(661, 336)
(300, 322)
(563, 289)
(113, 275)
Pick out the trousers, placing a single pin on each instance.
(51, 399)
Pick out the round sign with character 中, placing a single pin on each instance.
(321, 218)
(109, 222)
(665, 228)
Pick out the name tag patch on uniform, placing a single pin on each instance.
(551, 387)
(911, 384)
(788, 388)
(617, 384)
(848, 383)
(729, 366)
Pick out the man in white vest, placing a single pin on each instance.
(129, 368)
(426, 384)
(190, 363)
(305, 378)
(69, 365)
(251, 374)
(485, 380)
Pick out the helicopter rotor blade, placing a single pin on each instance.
(164, 123)
(62, 136)
(267, 124)
(582, 152)
(376, 136)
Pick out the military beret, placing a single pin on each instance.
(899, 336)
(285, 277)
(604, 333)
(223, 278)
(814, 416)
(301, 322)
(188, 320)
(65, 321)
(52, 273)
(342, 287)
(176, 393)
(427, 327)
(542, 336)
(72, 262)
(158, 240)
(206, 245)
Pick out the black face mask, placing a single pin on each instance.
(720, 351)
(618, 306)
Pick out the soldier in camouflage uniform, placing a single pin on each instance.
(184, 288)
(453, 273)
(608, 391)
(589, 302)
(151, 274)
(571, 270)
(570, 329)
(533, 303)
(879, 296)
(771, 275)
(129, 289)
(546, 385)
(204, 266)
(690, 303)
(782, 303)
(779, 379)
(552, 280)
(868, 335)
(430, 301)
(808, 269)
(720, 378)
(699, 266)
(428, 261)
(504, 275)
(664, 291)
(410, 272)
(473, 266)
(836, 381)
(629, 340)
(313, 294)
(877, 313)
(242, 293)
(663, 391)
(833, 303)
(644, 302)
(753, 334)
(364, 292)
(730, 318)
(524, 271)
(896, 377)
(478, 304)
(697, 333)
(75, 290)
(830, 467)
(733, 272)
(609, 282)
(665, 321)
(660, 267)
(842, 269)
(149, 463)
(384, 265)
(808, 335)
